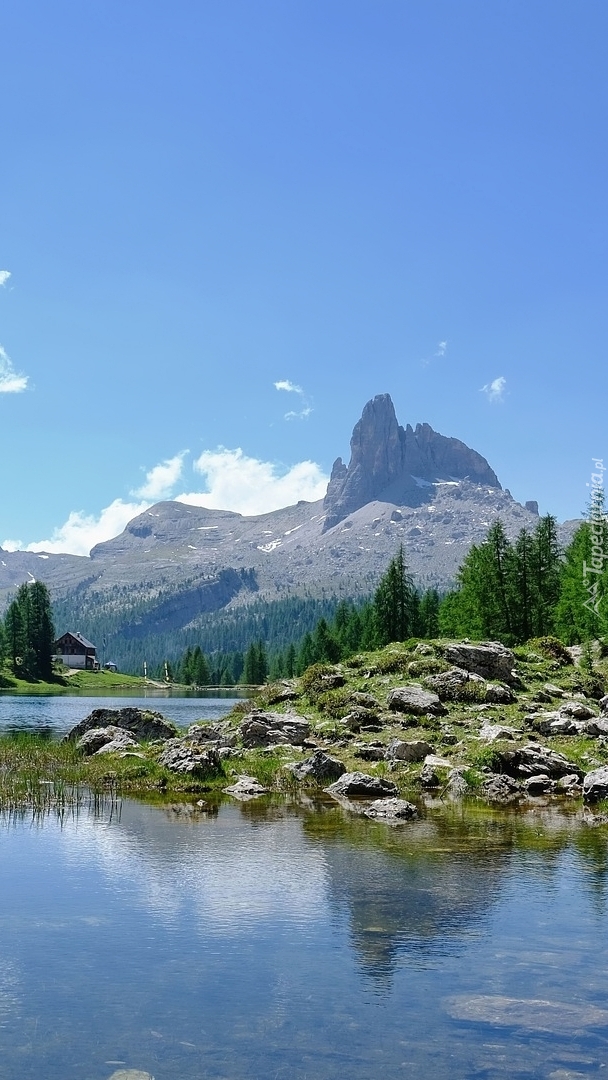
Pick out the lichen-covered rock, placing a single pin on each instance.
(142, 724)
(320, 767)
(357, 785)
(391, 810)
(182, 757)
(401, 750)
(416, 700)
(490, 659)
(595, 785)
(118, 745)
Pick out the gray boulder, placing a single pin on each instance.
(569, 785)
(603, 703)
(96, 738)
(595, 727)
(577, 710)
(539, 785)
(497, 694)
(428, 777)
(320, 767)
(357, 785)
(491, 732)
(118, 745)
(182, 757)
(533, 758)
(143, 724)
(369, 751)
(400, 750)
(490, 659)
(595, 785)
(416, 701)
(501, 789)
(448, 685)
(391, 810)
(268, 728)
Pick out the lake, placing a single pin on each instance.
(55, 714)
(294, 939)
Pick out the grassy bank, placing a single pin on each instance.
(78, 680)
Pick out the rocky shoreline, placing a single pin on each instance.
(450, 719)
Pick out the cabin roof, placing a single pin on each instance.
(79, 638)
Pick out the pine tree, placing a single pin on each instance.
(15, 635)
(429, 614)
(395, 603)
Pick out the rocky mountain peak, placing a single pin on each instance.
(390, 463)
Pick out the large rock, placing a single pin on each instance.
(182, 757)
(357, 785)
(398, 465)
(415, 700)
(595, 727)
(490, 659)
(501, 789)
(94, 740)
(143, 724)
(401, 750)
(491, 732)
(268, 729)
(577, 710)
(595, 785)
(320, 767)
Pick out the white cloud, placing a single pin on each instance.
(495, 390)
(10, 381)
(291, 388)
(249, 486)
(11, 545)
(442, 348)
(161, 480)
(82, 531)
(4, 276)
(302, 415)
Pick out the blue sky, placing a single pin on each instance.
(200, 201)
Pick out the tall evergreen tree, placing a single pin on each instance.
(395, 602)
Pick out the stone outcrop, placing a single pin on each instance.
(143, 724)
(398, 465)
(401, 750)
(533, 759)
(97, 739)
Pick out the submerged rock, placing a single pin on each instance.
(246, 787)
(539, 785)
(554, 1017)
(143, 724)
(359, 785)
(392, 810)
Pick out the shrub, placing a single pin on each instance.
(316, 679)
(334, 702)
(552, 649)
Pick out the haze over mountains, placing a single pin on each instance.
(175, 563)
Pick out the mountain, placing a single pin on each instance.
(398, 465)
(176, 568)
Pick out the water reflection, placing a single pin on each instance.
(284, 938)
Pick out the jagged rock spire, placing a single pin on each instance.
(388, 462)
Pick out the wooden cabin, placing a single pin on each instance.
(76, 652)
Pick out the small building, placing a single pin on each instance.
(76, 652)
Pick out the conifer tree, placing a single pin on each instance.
(395, 603)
